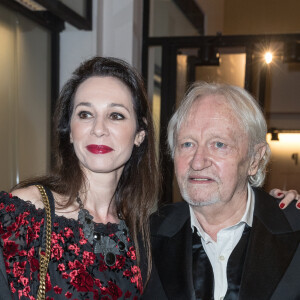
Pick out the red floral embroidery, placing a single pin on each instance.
(2, 206)
(12, 288)
(57, 290)
(81, 280)
(18, 268)
(48, 283)
(69, 233)
(83, 240)
(137, 278)
(75, 265)
(10, 207)
(88, 258)
(10, 249)
(113, 290)
(75, 248)
(131, 253)
(57, 252)
(61, 267)
(102, 264)
(56, 237)
(24, 280)
(120, 262)
(68, 295)
(34, 264)
(127, 295)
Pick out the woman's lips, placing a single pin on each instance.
(99, 149)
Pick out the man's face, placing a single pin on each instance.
(211, 154)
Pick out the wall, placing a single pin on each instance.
(261, 16)
(117, 32)
(214, 15)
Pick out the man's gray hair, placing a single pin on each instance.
(244, 106)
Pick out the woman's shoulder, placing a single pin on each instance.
(31, 194)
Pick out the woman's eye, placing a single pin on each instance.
(117, 116)
(84, 115)
(219, 145)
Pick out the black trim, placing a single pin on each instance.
(146, 12)
(67, 14)
(55, 63)
(168, 96)
(193, 12)
(43, 18)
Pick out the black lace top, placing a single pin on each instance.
(75, 271)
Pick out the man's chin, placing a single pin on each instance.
(200, 202)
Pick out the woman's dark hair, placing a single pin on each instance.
(136, 193)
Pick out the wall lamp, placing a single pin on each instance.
(274, 134)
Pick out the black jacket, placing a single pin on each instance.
(272, 264)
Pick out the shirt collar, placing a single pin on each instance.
(246, 218)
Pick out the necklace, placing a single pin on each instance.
(109, 245)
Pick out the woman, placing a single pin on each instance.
(103, 188)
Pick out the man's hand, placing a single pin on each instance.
(286, 196)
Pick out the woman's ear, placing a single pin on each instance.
(259, 152)
(139, 138)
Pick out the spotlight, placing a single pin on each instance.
(268, 57)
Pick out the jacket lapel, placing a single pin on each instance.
(172, 253)
(271, 248)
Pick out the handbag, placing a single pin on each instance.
(45, 249)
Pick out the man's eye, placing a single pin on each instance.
(219, 145)
(116, 116)
(84, 115)
(187, 145)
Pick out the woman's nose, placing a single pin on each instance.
(99, 127)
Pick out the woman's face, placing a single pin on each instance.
(103, 125)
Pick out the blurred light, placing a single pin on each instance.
(286, 139)
(268, 57)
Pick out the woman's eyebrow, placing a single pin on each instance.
(83, 104)
(119, 105)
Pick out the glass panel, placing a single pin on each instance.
(154, 87)
(79, 6)
(166, 19)
(285, 165)
(231, 70)
(24, 98)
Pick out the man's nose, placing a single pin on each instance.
(99, 127)
(201, 159)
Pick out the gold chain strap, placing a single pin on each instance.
(45, 257)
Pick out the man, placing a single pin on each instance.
(228, 240)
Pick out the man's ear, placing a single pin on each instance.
(259, 152)
(139, 138)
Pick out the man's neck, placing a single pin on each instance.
(215, 217)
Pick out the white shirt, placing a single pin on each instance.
(220, 251)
